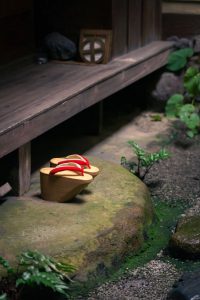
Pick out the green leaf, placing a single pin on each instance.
(194, 121)
(190, 118)
(190, 73)
(185, 112)
(156, 118)
(3, 297)
(173, 106)
(50, 280)
(178, 59)
(190, 133)
(192, 81)
(6, 265)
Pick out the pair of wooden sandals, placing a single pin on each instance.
(66, 177)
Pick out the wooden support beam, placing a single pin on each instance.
(20, 174)
(95, 124)
(134, 24)
(151, 21)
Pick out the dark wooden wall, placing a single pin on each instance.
(181, 25)
(16, 29)
(180, 18)
(24, 23)
(151, 21)
(69, 17)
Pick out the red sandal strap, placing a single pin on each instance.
(78, 161)
(81, 161)
(88, 163)
(66, 167)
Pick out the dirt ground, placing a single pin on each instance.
(173, 181)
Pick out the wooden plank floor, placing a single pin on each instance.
(35, 98)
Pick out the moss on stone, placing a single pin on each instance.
(186, 239)
(105, 222)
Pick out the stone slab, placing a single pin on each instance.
(101, 225)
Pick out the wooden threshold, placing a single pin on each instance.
(35, 98)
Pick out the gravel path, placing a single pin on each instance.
(176, 179)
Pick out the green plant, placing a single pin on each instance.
(178, 59)
(35, 268)
(186, 106)
(156, 118)
(145, 160)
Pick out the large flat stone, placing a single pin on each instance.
(99, 227)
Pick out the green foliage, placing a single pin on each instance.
(40, 269)
(192, 81)
(191, 119)
(156, 118)
(173, 105)
(145, 160)
(4, 263)
(3, 297)
(177, 60)
(177, 105)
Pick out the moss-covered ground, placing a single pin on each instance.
(157, 238)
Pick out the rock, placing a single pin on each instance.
(187, 288)
(59, 47)
(196, 42)
(185, 242)
(168, 85)
(94, 231)
(180, 43)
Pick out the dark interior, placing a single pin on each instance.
(26, 22)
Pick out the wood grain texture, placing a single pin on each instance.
(180, 25)
(134, 24)
(38, 97)
(181, 8)
(20, 175)
(151, 21)
(119, 27)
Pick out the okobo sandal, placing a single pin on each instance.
(79, 159)
(63, 182)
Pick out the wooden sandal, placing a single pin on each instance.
(79, 159)
(63, 182)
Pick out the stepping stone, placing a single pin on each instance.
(187, 288)
(185, 242)
(93, 231)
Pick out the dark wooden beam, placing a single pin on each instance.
(151, 21)
(20, 174)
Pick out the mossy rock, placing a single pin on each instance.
(185, 242)
(98, 228)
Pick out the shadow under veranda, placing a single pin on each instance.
(74, 135)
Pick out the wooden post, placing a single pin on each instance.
(119, 27)
(151, 21)
(134, 24)
(20, 175)
(92, 119)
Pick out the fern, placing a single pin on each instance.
(145, 160)
(50, 280)
(39, 269)
(45, 262)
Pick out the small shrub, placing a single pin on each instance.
(156, 118)
(35, 268)
(178, 59)
(145, 160)
(186, 106)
